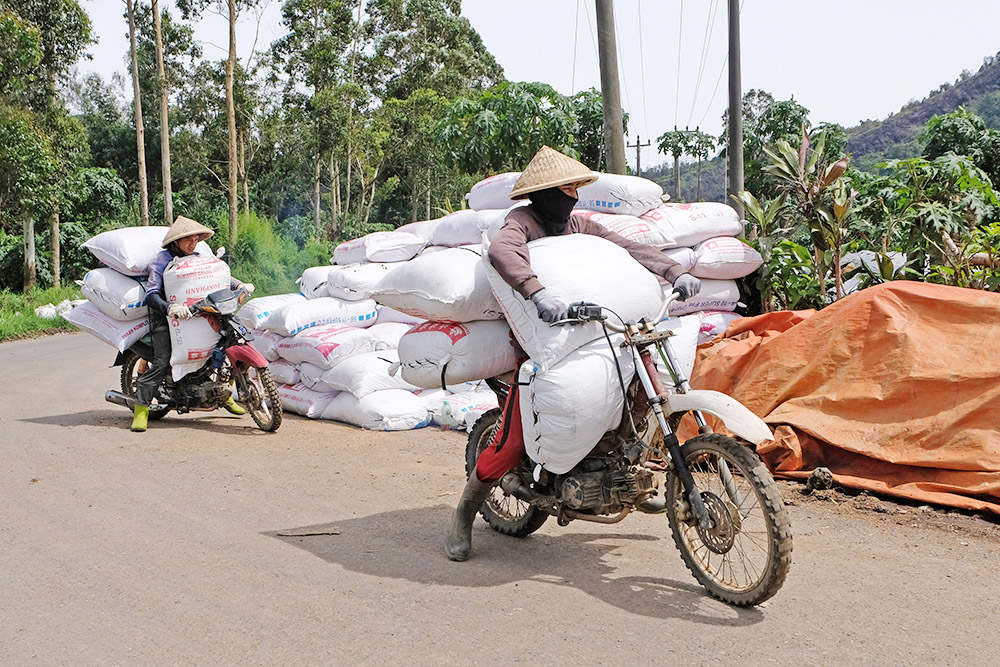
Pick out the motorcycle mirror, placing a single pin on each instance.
(220, 252)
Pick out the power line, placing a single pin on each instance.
(705, 44)
(680, 34)
(642, 73)
(576, 34)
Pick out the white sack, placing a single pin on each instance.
(714, 295)
(684, 344)
(466, 227)
(493, 192)
(630, 227)
(387, 335)
(114, 294)
(119, 335)
(303, 401)
(714, 323)
(130, 250)
(256, 313)
(388, 410)
(387, 315)
(284, 372)
(266, 343)
(725, 258)
(690, 224)
(296, 317)
(379, 247)
(313, 281)
(423, 228)
(576, 267)
(618, 193)
(460, 411)
(187, 280)
(685, 257)
(448, 286)
(312, 377)
(470, 351)
(355, 282)
(567, 409)
(361, 374)
(325, 346)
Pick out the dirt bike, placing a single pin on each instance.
(233, 364)
(724, 509)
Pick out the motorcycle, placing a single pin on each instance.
(724, 509)
(234, 368)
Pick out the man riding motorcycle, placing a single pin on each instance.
(550, 182)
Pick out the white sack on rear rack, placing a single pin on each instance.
(313, 281)
(355, 282)
(567, 409)
(119, 335)
(690, 224)
(325, 346)
(714, 295)
(387, 410)
(116, 295)
(256, 313)
(618, 193)
(379, 247)
(130, 250)
(576, 267)
(296, 317)
(304, 401)
(493, 192)
(459, 352)
(187, 280)
(448, 286)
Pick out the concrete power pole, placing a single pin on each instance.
(614, 137)
(734, 149)
(638, 146)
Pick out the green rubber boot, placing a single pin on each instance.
(140, 418)
(458, 545)
(232, 408)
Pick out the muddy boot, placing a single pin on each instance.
(233, 408)
(140, 418)
(459, 542)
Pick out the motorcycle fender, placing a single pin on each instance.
(247, 354)
(736, 416)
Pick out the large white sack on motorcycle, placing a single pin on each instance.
(466, 227)
(296, 317)
(361, 374)
(379, 247)
(448, 286)
(725, 258)
(436, 353)
(690, 224)
(714, 323)
(387, 335)
(355, 282)
(387, 315)
(714, 295)
(313, 281)
(576, 267)
(683, 343)
(256, 313)
(493, 192)
(325, 346)
(130, 250)
(266, 343)
(304, 401)
(618, 193)
(187, 280)
(387, 410)
(284, 372)
(567, 409)
(119, 335)
(630, 227)
(115, 294)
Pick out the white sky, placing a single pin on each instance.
(846, 61)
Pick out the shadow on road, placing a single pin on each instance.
(220, 423)
(409, 544)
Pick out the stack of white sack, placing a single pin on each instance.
(115, 310)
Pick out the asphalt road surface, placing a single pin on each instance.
(166, 547)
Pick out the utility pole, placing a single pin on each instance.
(637, 146)
(734, 149)
(614, 140)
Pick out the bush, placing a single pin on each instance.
(17, 312)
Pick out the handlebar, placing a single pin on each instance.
(589, 312)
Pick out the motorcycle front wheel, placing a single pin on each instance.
(744, 556)
(258, 393)
(504, 513)
(132, 367)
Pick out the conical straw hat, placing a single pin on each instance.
(550, 169)
(185, 227)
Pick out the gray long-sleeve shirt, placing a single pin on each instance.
(510, 257)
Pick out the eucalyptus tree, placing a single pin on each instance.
(140, 138)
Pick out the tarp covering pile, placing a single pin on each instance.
(895, 389)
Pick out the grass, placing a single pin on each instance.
(17, 312)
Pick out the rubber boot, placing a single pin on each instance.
(140, 418)
(232, 408)
(458, 545)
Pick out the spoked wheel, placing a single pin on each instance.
(132, 367)
(257, 392)
(504, 513)
(744, 556)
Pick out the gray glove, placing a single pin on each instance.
(550, 309)
(179, 312)
(687, 286)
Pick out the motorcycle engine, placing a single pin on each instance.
(607, 490)
(199, 394)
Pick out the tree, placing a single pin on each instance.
(700, 145)
(161, 79)
(140, 140)
(674, 143)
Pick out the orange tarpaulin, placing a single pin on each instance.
(895, 389)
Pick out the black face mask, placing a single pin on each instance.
(553, 207)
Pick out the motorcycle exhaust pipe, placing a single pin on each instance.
(119, 398)
(512, 484)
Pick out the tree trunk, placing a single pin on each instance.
(317, 200)
(428, 195)
(838, 275)
(243, 171)
(140, 138)
(677, 177)
(347, 190)
(231, 120)
(333, 197)
(28, 232)
(168, 196)
(54, 237)
(698, 197)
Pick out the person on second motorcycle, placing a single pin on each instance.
(550, 182)
(180, 240)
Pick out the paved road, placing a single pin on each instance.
(164, 548)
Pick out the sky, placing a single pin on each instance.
(845, 61)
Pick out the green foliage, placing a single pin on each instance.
(793, 278)
(20, 53)
(26, 165)
(17, 311)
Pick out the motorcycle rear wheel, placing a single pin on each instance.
(262, 399)
(744, 557)
(132, 367)
(504, 513)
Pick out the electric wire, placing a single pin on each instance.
(642, 72)
(680, 34)
(576, 35)
(722, 71)
(705, 44)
